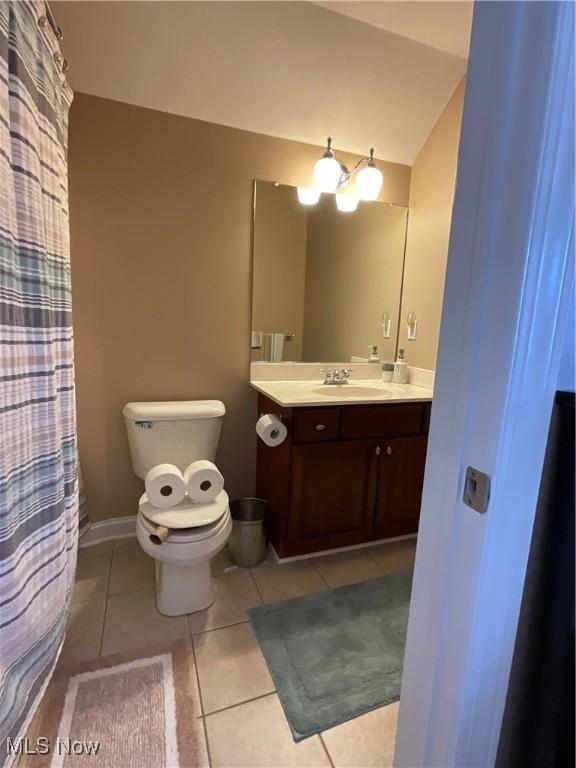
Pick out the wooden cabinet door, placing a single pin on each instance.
(400, 480)
(333, 494)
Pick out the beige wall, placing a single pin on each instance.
(161, 222)
(353, 275)
(279, 265)
(431, 198)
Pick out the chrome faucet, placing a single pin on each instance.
(335, 376)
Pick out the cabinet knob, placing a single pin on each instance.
(377, 450)
(389, 450)
(320, 427)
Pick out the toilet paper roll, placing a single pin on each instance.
(203, 481)
(270, 430)
(159, 535)
(165, 486)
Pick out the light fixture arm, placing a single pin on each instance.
(348, 173)
(368, 160)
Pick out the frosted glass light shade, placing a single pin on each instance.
(369, 183)
(327, 172)
(308, 195)
(346, 203)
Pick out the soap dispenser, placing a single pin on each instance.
(373, 354)
(400, 375)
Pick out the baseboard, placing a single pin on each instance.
(364, 545)
(125, 528)
(108, 530)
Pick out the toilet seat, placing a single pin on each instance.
(187, 514)
(185, 535)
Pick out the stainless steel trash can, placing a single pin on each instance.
(248, 541)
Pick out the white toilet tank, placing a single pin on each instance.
(172, 432)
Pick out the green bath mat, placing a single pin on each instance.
(337, 654)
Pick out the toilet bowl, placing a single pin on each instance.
(179, 433)
(183, 575)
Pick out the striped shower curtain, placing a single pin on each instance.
(38, 485)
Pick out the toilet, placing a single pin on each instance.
(179, 433)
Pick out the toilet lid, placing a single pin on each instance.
(187, 514)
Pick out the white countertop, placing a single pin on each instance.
(294, 394)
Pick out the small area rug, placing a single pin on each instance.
(334, 655)
(138, 710)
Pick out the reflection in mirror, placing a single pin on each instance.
(326, 283)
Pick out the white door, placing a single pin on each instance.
(509, 278)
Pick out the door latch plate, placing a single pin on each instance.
(476, 489)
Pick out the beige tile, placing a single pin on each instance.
(347, 568)
(222, 564)
(365, 742)
(234, 594)
(84, 632)
(257, 735)
(396, 556)
(130, 543)
(132, 621)
(132, 570)
(281, 582)
(231, 667)
(104, 549)
(92, 577)
(199, 758)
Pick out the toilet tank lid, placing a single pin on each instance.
(170, 411)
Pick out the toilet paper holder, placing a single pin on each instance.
(271, 429)
(278, 415)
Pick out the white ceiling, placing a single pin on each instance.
(443, 25)
(286, 69)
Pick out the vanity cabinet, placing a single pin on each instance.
(400, 480)
(344, 475)
(333, 493)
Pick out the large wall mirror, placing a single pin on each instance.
(326, 284)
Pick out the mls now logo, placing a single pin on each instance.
(43, 746)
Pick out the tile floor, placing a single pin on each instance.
(114, 611)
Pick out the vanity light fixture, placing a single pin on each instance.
(308, 195)
(346, 203)
(331, 175)
(328, 171)
(369, 180)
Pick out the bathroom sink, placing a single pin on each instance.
(308, 393)
(350, 390)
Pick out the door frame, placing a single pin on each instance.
(509, 279)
